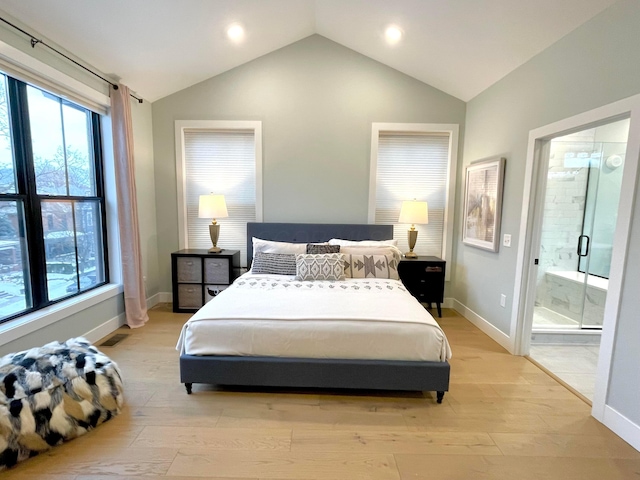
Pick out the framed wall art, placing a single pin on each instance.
(483, 203)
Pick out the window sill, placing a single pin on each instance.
(31, 322)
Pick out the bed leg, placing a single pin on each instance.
(188, 387)
(439, 396)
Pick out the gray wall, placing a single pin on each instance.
(146, 193)
(596, 64)
(316, 100)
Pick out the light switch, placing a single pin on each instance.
(506, 240)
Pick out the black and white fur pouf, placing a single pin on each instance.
(54, 393)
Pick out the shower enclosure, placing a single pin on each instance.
(579, 218)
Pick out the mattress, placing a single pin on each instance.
(275, 315)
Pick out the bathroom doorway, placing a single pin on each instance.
(579, 194)
(583, 184)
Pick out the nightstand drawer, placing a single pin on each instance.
(189, 270)
(432, 269)
(189, 296)
(216, 270)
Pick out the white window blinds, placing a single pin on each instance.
(413, 166)
(220, 162)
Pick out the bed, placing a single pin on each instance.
(267, 331)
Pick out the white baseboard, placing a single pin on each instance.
(165, 297)
(160, 297)
(488, 328)
(622, 426)
(448, 302)
(106, 328)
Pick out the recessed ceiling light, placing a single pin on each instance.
(235, 32)
(393, 34)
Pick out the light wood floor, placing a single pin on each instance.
(502, 419)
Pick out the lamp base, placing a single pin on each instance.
(214, 232)
(412, 237)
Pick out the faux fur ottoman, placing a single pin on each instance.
(52, 394)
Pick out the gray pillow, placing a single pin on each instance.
(319, 248)
(274, 263)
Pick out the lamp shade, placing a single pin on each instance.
(413, 211)
(212, 206)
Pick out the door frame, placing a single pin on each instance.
(531, 220)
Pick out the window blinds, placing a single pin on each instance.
(413, 166)
(220, 162)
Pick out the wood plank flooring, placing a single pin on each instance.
(502, 419)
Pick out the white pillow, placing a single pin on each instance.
(269, 246)
(363, 243)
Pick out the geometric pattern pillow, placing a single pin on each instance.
(320, 266)
(318, 248)
(274, 263)
(371, 266)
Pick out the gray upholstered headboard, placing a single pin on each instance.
(314, 232)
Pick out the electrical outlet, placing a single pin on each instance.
(506, 240)
(503, 300)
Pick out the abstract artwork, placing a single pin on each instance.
(483, 203)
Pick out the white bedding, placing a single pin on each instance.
(275, 315)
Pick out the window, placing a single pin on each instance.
(221, 158)
(414, 161)
(52, 224)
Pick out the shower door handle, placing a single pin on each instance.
(580, 254)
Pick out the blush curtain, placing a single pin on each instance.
(135, 302)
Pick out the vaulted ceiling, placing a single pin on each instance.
(158, 47)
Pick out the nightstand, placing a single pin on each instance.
(424, 278)
(198, 276)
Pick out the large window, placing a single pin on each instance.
(222, 158)
(52, 226)
(414, 161)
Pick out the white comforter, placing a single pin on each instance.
(270, 315)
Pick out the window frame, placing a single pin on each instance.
(421, 128)
(180, 127)
(36, 283)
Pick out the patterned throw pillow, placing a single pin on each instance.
(329, 266)
(319, 248)
(371, 266)
(274, 263)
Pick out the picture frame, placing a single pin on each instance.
(484, 182)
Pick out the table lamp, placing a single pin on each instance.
(213, 206)
(413, 212)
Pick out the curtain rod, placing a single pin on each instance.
(35, 41)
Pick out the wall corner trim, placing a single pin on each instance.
(494, 333)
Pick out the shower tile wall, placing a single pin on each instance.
(563, 214)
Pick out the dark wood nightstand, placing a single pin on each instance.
(424, 278)
(198, 276)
